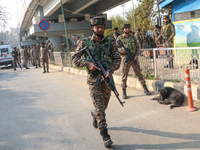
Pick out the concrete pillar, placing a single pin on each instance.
(40, 12)
(56, 41)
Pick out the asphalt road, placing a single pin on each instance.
(52, 112)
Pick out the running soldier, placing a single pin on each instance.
(104, 50)
(168, 31)
(44, 55)
(130, 43)
(15, 55)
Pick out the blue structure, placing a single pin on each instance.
(186, 18)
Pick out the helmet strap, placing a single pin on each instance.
(99, 35)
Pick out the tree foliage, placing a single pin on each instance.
(3, 16)
(145, 14)
(117, 21)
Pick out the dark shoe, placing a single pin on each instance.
(106, 138)
(124, 94)
(40, 66)
(14, 70)
(146, 91)
(44, 71)
(47, 70)
(94, 118)
(36, 67)
(27, 68)
(20, 67)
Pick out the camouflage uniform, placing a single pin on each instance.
(139, 39)
(15, 59)
(100, 96)
(50, 47)
(168, 30)
(126, 66)
(155, 37)
(25, 57)
(36, 56)
(44, 55)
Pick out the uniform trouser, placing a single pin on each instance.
(15, 60)
(45, 61)
(125, 71)
(169, 53)
(140, 44)
(100, 98)
(37, 60)
(25, 61)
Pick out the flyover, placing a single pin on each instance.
(77, 15)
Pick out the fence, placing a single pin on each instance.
(160, 63)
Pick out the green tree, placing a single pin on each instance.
(117, 21)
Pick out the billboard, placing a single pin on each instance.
(187, 33)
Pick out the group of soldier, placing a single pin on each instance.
(112, 53)
(33, 55)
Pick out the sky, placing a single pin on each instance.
(13, 7)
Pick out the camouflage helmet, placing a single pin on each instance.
(126, 25)
(97, 21)
(166, 17)
(138, 29)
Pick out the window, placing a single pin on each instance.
(192, 14)
(3, 51)
(187, 15)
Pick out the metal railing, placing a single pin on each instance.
(157, 63)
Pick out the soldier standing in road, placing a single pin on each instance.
(99, 46)
(116, 34)
(130, 43)
(36, 56)
(25, 57)
(168, 30)
(15, 58)
(49, 46)
(139, 38)
(44, 55)
(21, 53)
(156, 32)
(78, 41)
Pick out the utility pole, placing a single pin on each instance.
(134, 15)
(123, 5)
(159, 19)
(18, 25)
(66, 33)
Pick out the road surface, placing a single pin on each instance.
(52, 112)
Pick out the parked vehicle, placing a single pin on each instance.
(5, 55)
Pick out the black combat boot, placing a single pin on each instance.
(124, 94)
(14, 69)
(27, 68)
(106, 138)
(44, 71)
(94, 118)
(36, 66)
(47, 70)
(146, 91)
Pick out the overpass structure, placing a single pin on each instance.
(77, 16)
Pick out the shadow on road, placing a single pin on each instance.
(181, 145)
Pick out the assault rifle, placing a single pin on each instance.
(129, 54)
(164, 37)
(103, 74)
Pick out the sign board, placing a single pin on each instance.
(44, 25)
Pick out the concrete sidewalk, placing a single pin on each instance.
(153, 85)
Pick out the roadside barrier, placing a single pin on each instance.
(189, 92)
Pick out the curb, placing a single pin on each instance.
(153, 85)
